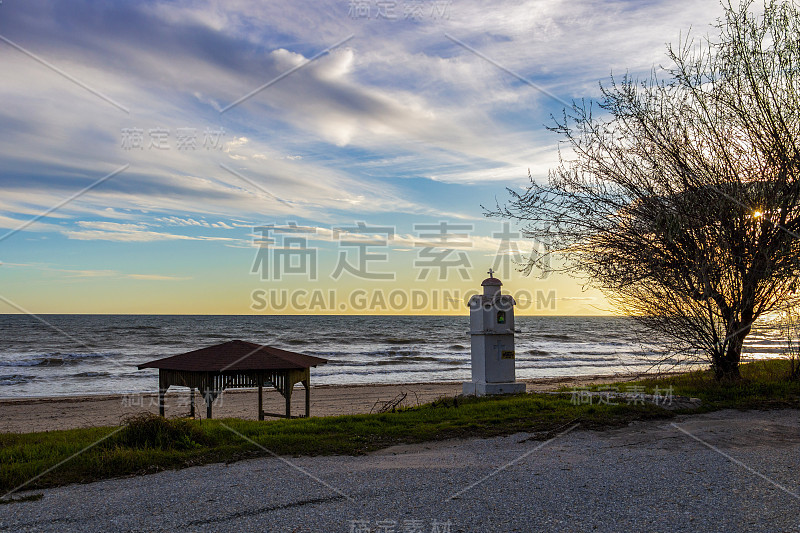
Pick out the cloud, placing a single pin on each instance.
(15, 223)
(156, 277)
(70, 272)
(113, 231)
(79, 273)
(89, 273)
(177, 221)
(460, 238)
(330, 140)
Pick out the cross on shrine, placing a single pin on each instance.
(498, 346)
(491, 272)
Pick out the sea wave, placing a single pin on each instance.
(582, 364)
(367, 372)
(39, 361)
(91, 374)
(536, 351)
(555, 336)
(395, 340)
(54, 359)
(569, 359)
(15, 379)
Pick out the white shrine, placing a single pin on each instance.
(491, 321)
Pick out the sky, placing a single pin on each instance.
(228, 157)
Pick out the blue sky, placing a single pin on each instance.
(398, 126)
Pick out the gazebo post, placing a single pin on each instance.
(307, 385)
(191, 402)
(288, 397)
(260, 400)
(161, 401)
(161, 391)
(209, 401)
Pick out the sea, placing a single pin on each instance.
(64, 355)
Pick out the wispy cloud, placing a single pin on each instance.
(463, 239)
(177, 221)
(113, 231)
(157, 277)
(399, 90)
(68, 272)
(82, 273)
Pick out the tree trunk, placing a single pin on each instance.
(726, 369)
(726, 364)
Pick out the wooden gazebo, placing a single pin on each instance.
(236, 365)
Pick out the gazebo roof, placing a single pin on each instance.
(235, 355)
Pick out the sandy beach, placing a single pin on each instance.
(47, 414)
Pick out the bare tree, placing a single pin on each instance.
(790, 323)
(682, 200)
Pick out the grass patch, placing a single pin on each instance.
(149, 443)
(148, 430)
(764, 385)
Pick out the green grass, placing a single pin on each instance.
(149, 444)
(764, 385)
